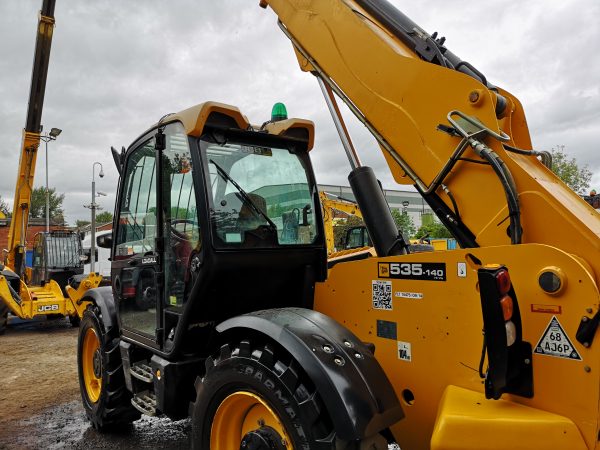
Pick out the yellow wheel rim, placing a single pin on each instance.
(240, 413)
(92, 376)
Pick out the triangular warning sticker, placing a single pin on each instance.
(555, 342)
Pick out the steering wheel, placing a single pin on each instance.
(178, 234)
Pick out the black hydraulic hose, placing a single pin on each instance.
(464, 237)
(546, 156)
(482, 359)
(453, 200)
(510, 190)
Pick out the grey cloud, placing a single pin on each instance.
(116, 67)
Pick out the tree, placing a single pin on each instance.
(577, 178)
(82, 223)
(4, 208)
(433, 230)
(38, 203)
(403, 222)
(104, 217)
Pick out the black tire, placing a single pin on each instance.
(112, 409)
(3, 317)
(278, 381)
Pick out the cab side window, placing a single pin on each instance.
(137, 220)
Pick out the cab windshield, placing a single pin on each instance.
(261, 196)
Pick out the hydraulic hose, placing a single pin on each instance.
(508, 183)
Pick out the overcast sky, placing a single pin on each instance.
(116, 67)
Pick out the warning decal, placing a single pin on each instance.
(555, 342)
(404, 351)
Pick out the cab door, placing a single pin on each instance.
(135, 268)
(153, 284)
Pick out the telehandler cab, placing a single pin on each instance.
(218, 242)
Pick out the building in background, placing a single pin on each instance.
(35, 225)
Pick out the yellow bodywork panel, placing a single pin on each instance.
(428, 334)
(467, 420)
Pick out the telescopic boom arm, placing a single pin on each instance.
(442, 126)
(31, 140)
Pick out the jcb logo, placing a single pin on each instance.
(46, 308)
(384, 270)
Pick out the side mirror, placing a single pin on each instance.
(104, 241)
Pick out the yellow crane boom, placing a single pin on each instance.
(434, 123)
(329, 205)
(15, 258)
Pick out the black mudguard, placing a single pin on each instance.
(103, 298)
(358, 395)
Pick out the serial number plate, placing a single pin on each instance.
(413, 271)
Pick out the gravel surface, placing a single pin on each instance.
(40, 403)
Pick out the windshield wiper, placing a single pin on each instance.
(244, 194)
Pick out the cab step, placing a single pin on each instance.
(145, 402)
(142, 371)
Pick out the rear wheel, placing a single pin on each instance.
(255, 399)
(106, 400)
(3, 317)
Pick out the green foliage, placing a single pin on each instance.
(104, 217)
(403, 222)
(433, 230)
(81, 223)
(577, 178)
(38, 203)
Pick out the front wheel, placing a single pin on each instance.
(252, 397)
(106, 400)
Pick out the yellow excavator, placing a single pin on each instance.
(330, 204)
(223, 306)
(44, 289)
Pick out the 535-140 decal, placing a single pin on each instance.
(413, 271)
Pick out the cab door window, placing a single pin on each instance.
(135, 260)
(182, 230)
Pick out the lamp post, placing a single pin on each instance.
(54, 132)
(93, 207)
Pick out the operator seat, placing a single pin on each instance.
(248, 217)
(255, 231)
